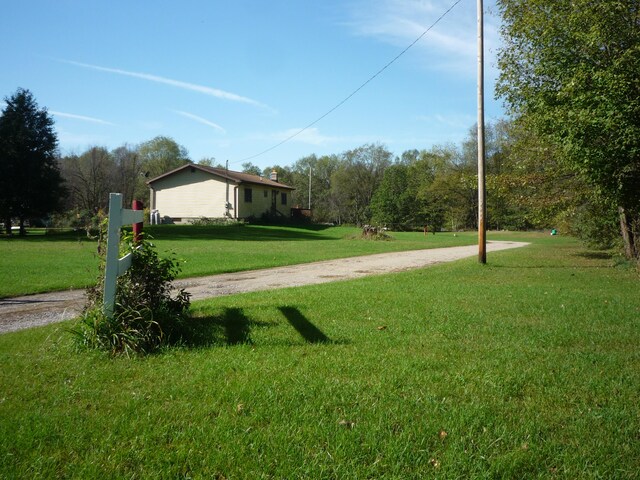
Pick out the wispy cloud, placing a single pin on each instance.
(450, 45)
(213, 92)
(198, 119)
(82, 118)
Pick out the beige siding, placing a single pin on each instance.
(191, 194)
(259, 203)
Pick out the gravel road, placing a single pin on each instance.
(34, 310)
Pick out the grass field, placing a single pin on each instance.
(42, 263)
(527, 367)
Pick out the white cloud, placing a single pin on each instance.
(82, 118)
(198, 119)
(450, 46)
(213, 92)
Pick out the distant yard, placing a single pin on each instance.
(527, 367)
(56, 262)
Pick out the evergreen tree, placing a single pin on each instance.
(30, 180)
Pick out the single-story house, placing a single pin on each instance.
(195, 191)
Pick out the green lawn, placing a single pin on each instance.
(42, 263)
(527, 367)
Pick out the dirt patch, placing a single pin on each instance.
(34, 310)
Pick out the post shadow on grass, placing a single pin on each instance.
(231, 327)
(308, 330)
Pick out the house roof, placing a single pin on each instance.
(236, 177)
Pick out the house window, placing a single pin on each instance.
(266, 194)
(248, 195)
(283, 198)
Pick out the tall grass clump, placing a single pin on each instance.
(146, 315)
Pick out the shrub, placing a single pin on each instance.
(147, 315)
(205, 221)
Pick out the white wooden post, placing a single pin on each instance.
(115, 266)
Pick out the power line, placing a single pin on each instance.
(348, 97)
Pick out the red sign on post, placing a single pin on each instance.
(137, 227)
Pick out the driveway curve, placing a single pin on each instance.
(34, 310)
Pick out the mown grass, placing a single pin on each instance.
(527, 367)
(42, 263)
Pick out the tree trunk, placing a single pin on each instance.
(7, 225)
(23, 231)
(630, 247)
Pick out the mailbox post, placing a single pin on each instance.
(115, 266)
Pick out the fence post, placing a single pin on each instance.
(115, 266)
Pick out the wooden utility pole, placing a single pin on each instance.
(482, 209)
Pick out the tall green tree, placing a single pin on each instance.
(393, 203)
(355, 181)
(248, 167)
(571, 70)
(157, 156)
(30, 181)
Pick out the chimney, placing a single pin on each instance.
(273, 176)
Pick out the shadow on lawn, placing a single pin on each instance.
(232, 327)
(189, 232)
(308, 330)
(40, 236)
(594, 255)
(236, 232)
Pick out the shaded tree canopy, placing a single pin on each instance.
(571, 72)
(90, 178)
(30, 181)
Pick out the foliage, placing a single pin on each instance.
(248, 167)
(30, 181)
(393, 204)
(158, 156)
(595, 223)
(322, 202)
(570, 70)
(90, 178)
(355, 181)
(205, 221)
(146, 315)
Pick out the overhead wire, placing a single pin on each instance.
(354, 92)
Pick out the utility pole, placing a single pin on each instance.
(482, 209)
(309, 187)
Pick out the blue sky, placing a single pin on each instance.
(230, 79)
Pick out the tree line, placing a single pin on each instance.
(528, 184)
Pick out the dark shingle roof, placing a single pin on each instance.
(236, 177)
